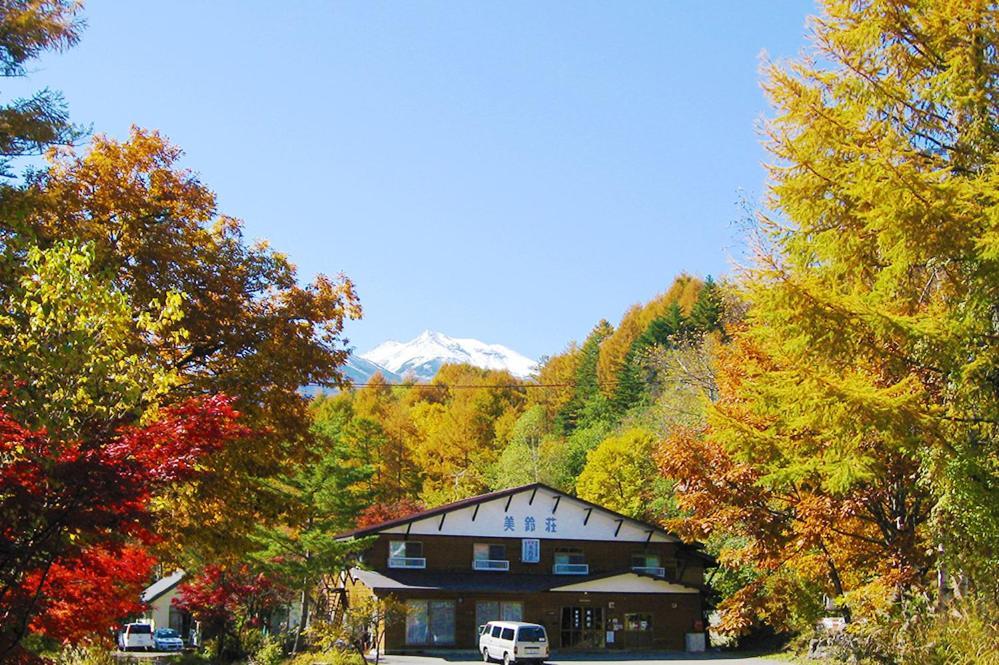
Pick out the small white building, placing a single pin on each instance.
(160, 609)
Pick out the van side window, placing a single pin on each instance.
(496, 631)
(507, 634)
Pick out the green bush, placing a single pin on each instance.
(327, 658)
(269, 652)
(964, 633)
(190, 659)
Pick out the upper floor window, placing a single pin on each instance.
(570, 561)
(489, 557)
(649, 564)
(406, 554)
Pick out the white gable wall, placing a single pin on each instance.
(158, 612)
(493, 520)
(626, 583)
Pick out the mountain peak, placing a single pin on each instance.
(427, 352)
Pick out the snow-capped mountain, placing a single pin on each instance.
(360, 370)
(423, 356)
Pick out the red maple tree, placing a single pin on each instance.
(220, 597)
(86, 597)
(66, 506)
(383, 512)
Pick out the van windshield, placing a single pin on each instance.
(531, 634)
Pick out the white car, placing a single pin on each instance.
(135, 636)
(513, 642)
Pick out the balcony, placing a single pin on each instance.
(571, 569)
(407, 562)
(490, 564)
(649, 570)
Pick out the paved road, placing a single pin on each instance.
(580, 659)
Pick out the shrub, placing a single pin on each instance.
(912, 633)
(269, 652)
(327, 658)
(84, 656)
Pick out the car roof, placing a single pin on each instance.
(513, 624)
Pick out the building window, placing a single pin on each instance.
(406, 554)
(430, 622)
(570, 561)
(648, 564)
(496, 610)
(416, 622)
(489, 557)
(638, 622)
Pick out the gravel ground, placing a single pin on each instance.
(578, 659)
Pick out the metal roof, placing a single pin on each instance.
(161, 586)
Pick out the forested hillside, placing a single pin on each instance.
(471, 430)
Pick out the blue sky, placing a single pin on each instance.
(511, 171)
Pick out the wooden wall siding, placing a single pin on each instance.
(454, 553)
(673, 615)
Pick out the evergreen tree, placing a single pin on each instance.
(28, 28)
(632, 385)
(586, 405)
(708, 311)
(321, 498)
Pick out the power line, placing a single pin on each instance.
(480, 385)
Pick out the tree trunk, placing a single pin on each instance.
(303, 620)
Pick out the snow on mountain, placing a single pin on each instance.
(423, 356)
(360, 370)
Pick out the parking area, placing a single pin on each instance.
(637, 658)
(143, 657)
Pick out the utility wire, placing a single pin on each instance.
(480, 385)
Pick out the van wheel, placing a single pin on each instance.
(485, 655)
(506, 659)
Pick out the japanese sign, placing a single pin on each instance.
(530, 550)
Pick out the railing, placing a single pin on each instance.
(407, 562)
(490, 564)
(571, 569)
(650, 570)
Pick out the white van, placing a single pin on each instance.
(136, 636)
(513, 642)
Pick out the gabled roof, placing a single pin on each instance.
(533, 488)
(623, 582)
(162, 586)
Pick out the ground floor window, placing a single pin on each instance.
(638, 622)
(430, 622)
(637, 630)
(498, 610)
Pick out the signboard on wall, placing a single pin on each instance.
(530, 550)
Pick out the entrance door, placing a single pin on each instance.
(582, 627)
